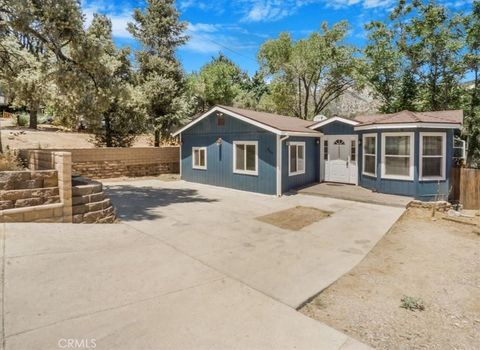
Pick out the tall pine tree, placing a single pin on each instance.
(160, 77)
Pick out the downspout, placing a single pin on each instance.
(279, 163)
(181, 146)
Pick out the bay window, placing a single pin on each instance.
(245, 157)
(432, 155)
(296, 158)
(370, 154)
(397, 161)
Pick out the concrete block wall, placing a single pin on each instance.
(29, 196)
(102, 163)
(90, 204)
(20, 189)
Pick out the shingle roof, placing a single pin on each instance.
(279, 122)
(403, 117)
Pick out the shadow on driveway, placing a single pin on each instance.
(139, 203)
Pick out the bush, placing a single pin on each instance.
(412, 304)
(22, 119)
(9, 161)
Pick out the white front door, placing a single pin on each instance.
(339, 157)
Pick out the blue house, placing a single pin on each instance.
(405, 153)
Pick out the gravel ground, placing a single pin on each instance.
(437, 261)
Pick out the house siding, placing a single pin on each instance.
(337, 128)
(312, 167)
(420, 189)
(219, 170)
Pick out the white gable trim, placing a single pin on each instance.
(232, 114)
(333, 119)
(409, 126)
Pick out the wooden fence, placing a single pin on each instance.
(466, 187)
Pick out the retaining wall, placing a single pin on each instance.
(41, 194)
(102, 163)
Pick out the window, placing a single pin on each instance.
(397, 161)
(353, 150)
(459, 149)
(245, 157)
(432, 156)
(199, 158)
(296, 158)
(325, 149)
(370, 154)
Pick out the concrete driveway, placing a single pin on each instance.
(217, 227)
(189, 267)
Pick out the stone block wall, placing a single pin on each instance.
(90, 204)
(103, 163)
(19, 189)
(41, 194)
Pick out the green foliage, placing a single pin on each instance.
(472, 96)
(219, 82)
(21, 119)
(311, 72)
(33, 39)
(160, 77)
(412, 304)
(222, 82)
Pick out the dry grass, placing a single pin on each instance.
(295, 218)
(9, 161)
(436, 261)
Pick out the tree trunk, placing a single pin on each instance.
(108, 132)
(1, 144)
(33, 119)
(157, 138)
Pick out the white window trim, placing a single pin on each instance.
(199, 167)
(409, 177)
(245, 172)
(298, 172)
(444, 156)
(364, 136)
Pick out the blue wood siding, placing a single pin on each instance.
(420, 189)
(312, 167)
(219, 170)
(337, 128)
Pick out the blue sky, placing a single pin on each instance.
(238, 27)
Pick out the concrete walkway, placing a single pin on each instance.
(189, 267)
(355, 193)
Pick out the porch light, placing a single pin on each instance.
(219, 141)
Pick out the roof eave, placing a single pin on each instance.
(233, 114)
(408, 126)
(331, 120)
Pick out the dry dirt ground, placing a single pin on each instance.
(437, 261)
(295, 218)
(49, 137)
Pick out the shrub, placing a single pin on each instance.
(412, 304)
(9, 161)
(22, 119)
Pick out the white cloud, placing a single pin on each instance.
(213, 38)
(274, 10)
(119, 17)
